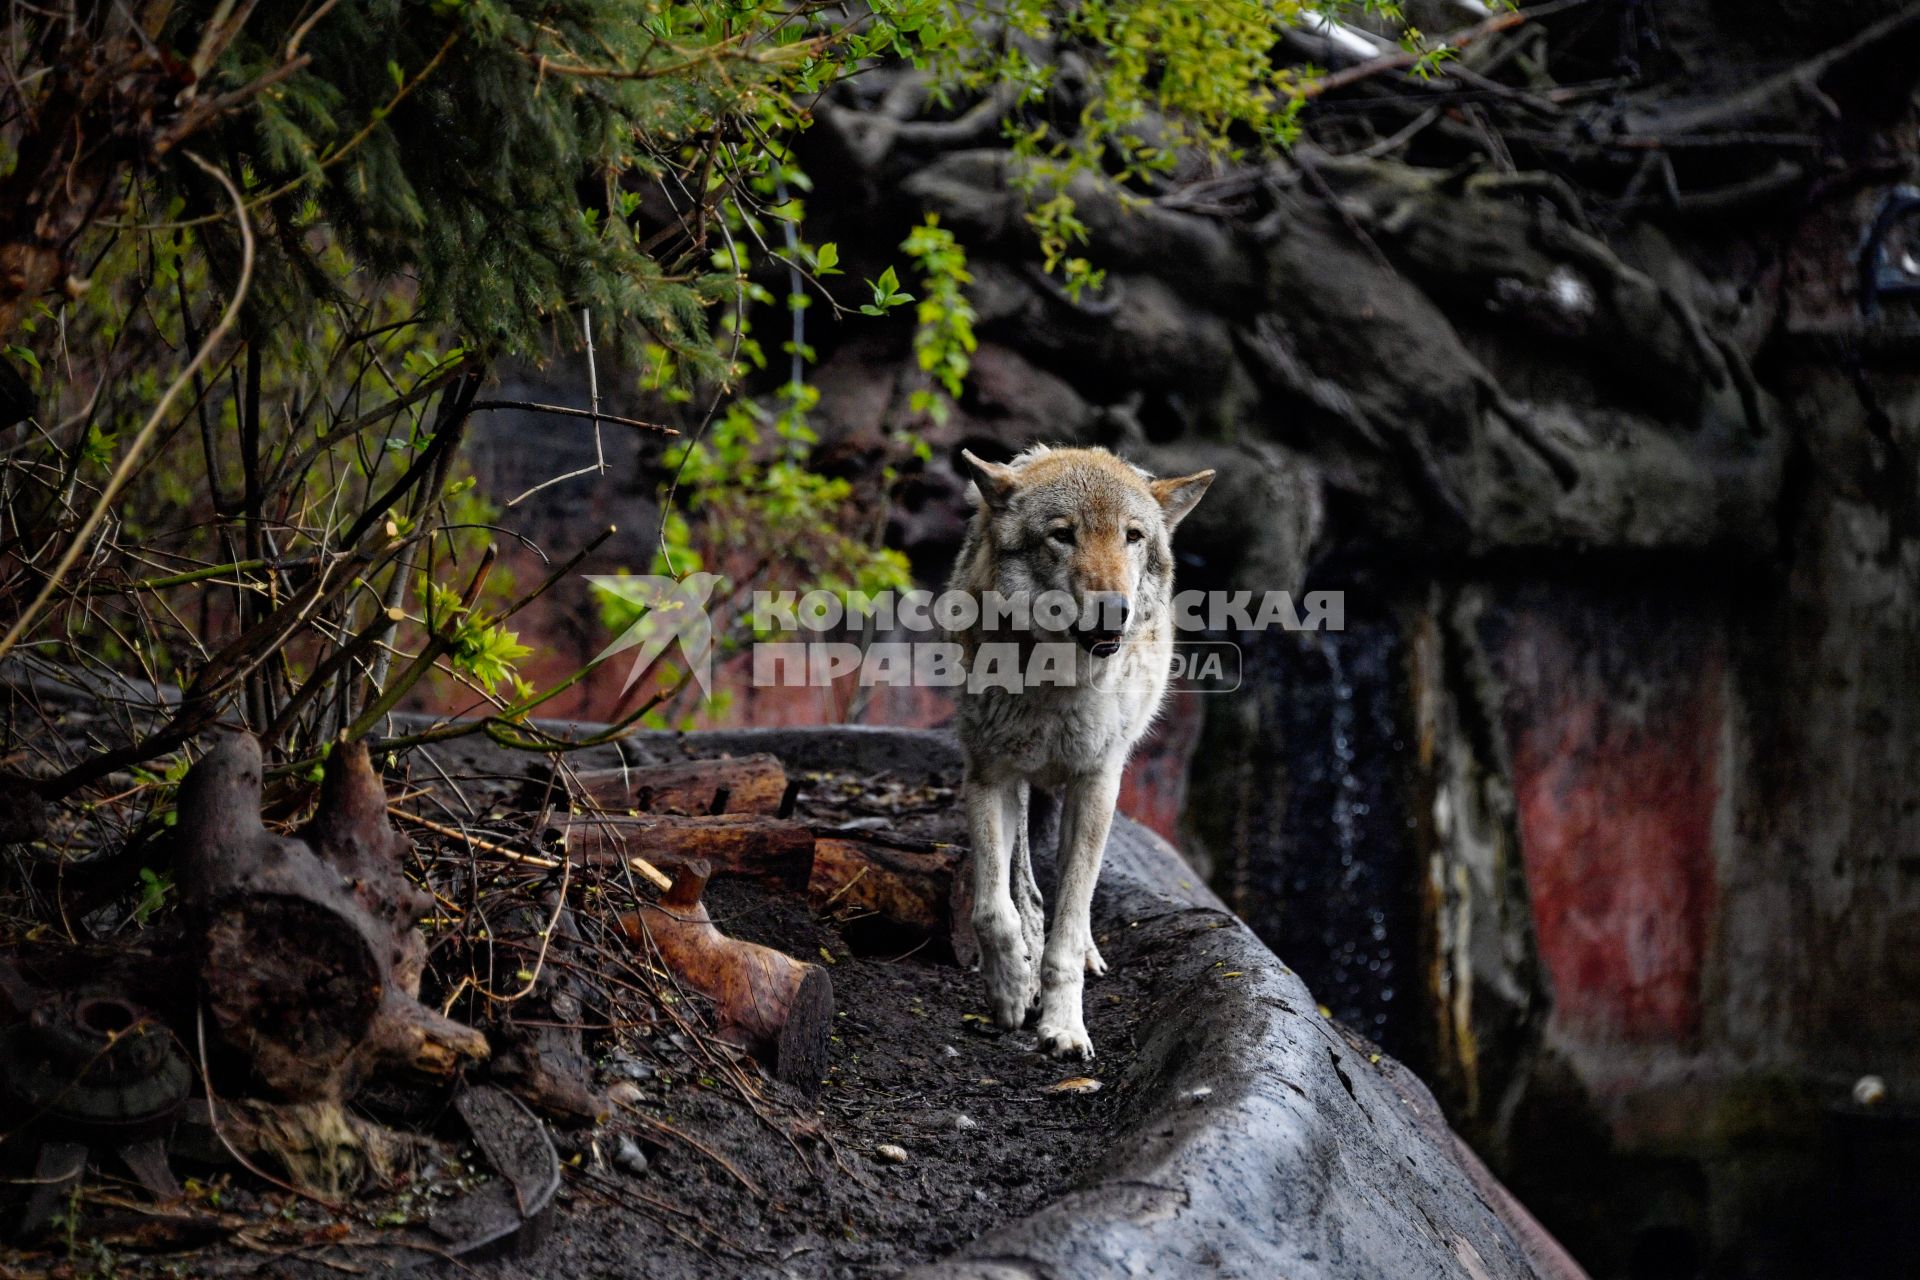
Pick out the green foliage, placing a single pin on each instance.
(943, 340)
(1163, 79)
(495, 149)
(435, 185)
(478, 646)
(886, 295)
(155, 889)
(753, 510)
(756, 512)
(491, 147)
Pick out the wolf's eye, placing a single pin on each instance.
(1134, 535)
(1062, 534)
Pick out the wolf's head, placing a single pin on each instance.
(1083, 522)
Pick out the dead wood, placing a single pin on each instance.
(755, 784)
(320, 1147)
(769, 849)
(906, 884)
(778, 1008)
(544, 1063)
(310, 962)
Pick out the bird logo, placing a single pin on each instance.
(671, 609)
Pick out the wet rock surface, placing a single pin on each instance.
(1261, 1137)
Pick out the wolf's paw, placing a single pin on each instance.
(1012, 985)
(1065, 1041)
(1096, 963)
(1005, 967)
(1015, 997)
(1008, 1014)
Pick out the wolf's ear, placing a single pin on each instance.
(995, 480)
(1180, 495)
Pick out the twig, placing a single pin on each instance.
(1405, 58)
(339, 660)
(535, 406)
(599, 465)
(124, 471)
(483, 845)
(658, 878)
(752, 1187)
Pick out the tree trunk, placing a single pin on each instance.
(310, 961)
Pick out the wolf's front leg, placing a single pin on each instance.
(1026, 892)
(1084, 822)
(1004, 963)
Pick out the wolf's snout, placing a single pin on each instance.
(1103, 620)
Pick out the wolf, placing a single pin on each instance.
(1084, 523)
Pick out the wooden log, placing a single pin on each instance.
(755, 784)
(767, 849)
(778, 1008)
(309, 958)
(904, 885)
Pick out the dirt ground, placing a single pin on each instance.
(915, 1065)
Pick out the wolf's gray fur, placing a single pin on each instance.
(1083, 522)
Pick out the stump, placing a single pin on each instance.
(309, 958)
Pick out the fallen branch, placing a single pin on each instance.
(778, 1008)
(906, 885)
(755, 784)
(780, 853)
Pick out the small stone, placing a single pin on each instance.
(948, 1051)
(1869, 1091)
(890, 1153)
(1074, 1085)
(630, 1157)
(624, 1093)
(630, 1067)
(964, 1122)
